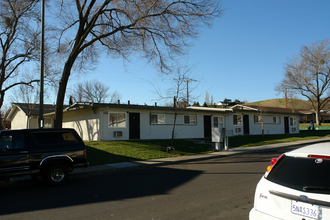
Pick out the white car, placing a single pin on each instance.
(295, 186)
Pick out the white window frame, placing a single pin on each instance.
(117, 120)
(293, 121)
(268, 119)
(160, 119)
(259, 120)
(192, 119)
(239, 122)
(218, 123)
(274, 120)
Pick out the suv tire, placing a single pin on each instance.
(57, 174)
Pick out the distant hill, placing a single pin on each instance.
(280, 103)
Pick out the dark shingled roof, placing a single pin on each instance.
(33, 109)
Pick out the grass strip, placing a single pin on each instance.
(107, 152)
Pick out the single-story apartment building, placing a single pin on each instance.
(248, 120)
(104, 121)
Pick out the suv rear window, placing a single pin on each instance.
(47, 138)
(298, 173)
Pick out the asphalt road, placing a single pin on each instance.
(221, 188)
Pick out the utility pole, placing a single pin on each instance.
(188, 81)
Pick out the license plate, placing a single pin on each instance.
(305, 209)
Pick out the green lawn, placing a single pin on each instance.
(323, 126)
(106, 152)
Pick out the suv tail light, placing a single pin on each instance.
(85, 154)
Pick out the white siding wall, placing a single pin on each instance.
(164, 131)
(148, 130)
(107, 132)
(269, 127)
(84, 121)
(19, 120)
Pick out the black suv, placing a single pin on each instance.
(45, 154)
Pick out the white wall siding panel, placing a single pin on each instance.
(84, 121)
(19, 120)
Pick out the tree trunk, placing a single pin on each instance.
(317, 117)
(175, 114)
(61, 94)
(2, 94)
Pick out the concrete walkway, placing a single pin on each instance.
(175, 160)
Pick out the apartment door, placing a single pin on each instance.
(134, 125)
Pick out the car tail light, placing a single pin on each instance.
(273, 162)
(85, 154)
(319, 156)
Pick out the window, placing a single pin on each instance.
(267, 119)
(12, 142)
(217, 122)
(297, 173)
(257, 119)
(157, 119)
(190, 119)
(117, 120)
(237, 119)
(50, 138)
(274, 120)
(292, 121)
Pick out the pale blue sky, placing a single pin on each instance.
(241, 57)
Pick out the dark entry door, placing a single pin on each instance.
(207, 126)
(134, 125)
(286, 125)
(246, 125)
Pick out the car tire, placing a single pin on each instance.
(57, 174)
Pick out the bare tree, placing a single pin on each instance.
(93, 91)
(4, 111)
(77, 93)
(155, 29)
(308, 73)
(261, 119)
(19, 42)
(96, 92)
(28, 94)
(115, 96)
(177, 92)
